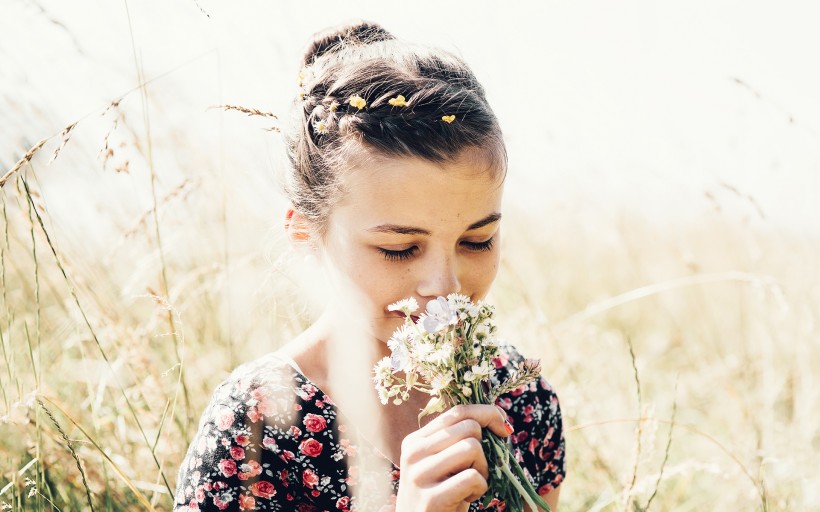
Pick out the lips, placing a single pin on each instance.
(399, 314)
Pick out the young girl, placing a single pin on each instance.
(396, 177)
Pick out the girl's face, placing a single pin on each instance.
(407, 227)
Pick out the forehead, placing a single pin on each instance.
(417, 192)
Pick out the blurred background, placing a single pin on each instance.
(662, 234)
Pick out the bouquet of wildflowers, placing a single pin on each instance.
(448, 353)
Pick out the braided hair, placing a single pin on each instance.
(361, 88)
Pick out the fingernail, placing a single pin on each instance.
(508, 426)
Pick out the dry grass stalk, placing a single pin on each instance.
(26, 158)
(246, 110)
(666, 451)
(70, 447)
(65, 134)
(638, 427)
(251, 112)
(128, 481)
(182, 190)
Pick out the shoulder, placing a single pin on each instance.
(536, 401)
(535, 413)
(265, 387)
(247, 436)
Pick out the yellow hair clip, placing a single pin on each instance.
(398, 101)
(357, 101)
(448, 119)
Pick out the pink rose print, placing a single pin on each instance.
(310, 447)
(314, 422)
(246, 502)
(348, 448)
(228, 467)
(242, 440)
(225, 419)
(309, 478)
(237, 453)
(221, 505)
(343, 503)
(269, 443)
(263, 489)
(249, 470)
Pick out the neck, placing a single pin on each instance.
(336, 346)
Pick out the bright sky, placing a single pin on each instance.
(650, 105)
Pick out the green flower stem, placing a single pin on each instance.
(518, 479)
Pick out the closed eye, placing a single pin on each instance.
(402, 255)
(479, 246)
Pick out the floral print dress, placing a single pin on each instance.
(271, 440)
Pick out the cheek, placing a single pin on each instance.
(382, 282)
(481, 273)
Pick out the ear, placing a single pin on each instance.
(297, 227)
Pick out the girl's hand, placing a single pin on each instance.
(442, 464)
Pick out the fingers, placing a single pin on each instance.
(465, 454)
(488, 416)
(442, 438)
(443, 463)
(468, 485)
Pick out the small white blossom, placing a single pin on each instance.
(466, 390)
(407, 306)
(439, 315)
(481, 331)
(482, 370)
(441, 381)
(441, 355)
(458, 300)
(400, 356)
(469, 376)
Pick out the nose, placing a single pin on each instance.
(439, 276)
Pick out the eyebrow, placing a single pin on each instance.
(409, 230)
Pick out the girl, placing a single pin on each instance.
(396, 177)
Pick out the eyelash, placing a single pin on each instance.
(406, 254)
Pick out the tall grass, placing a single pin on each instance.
(684, 355)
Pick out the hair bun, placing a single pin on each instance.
(332, 39)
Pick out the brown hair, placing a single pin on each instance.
(365, 60)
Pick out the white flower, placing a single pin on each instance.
(441, 355)
(458, 300)
(383, 372)
(491, 342)
(482, 370)
(422, 350)
(406, 306)
(382, 366)
(466, 391)
(400, 356)
(469, 376)
(439, 315)
(481, 331)
(441, 381)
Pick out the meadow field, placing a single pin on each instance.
(663, 265)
